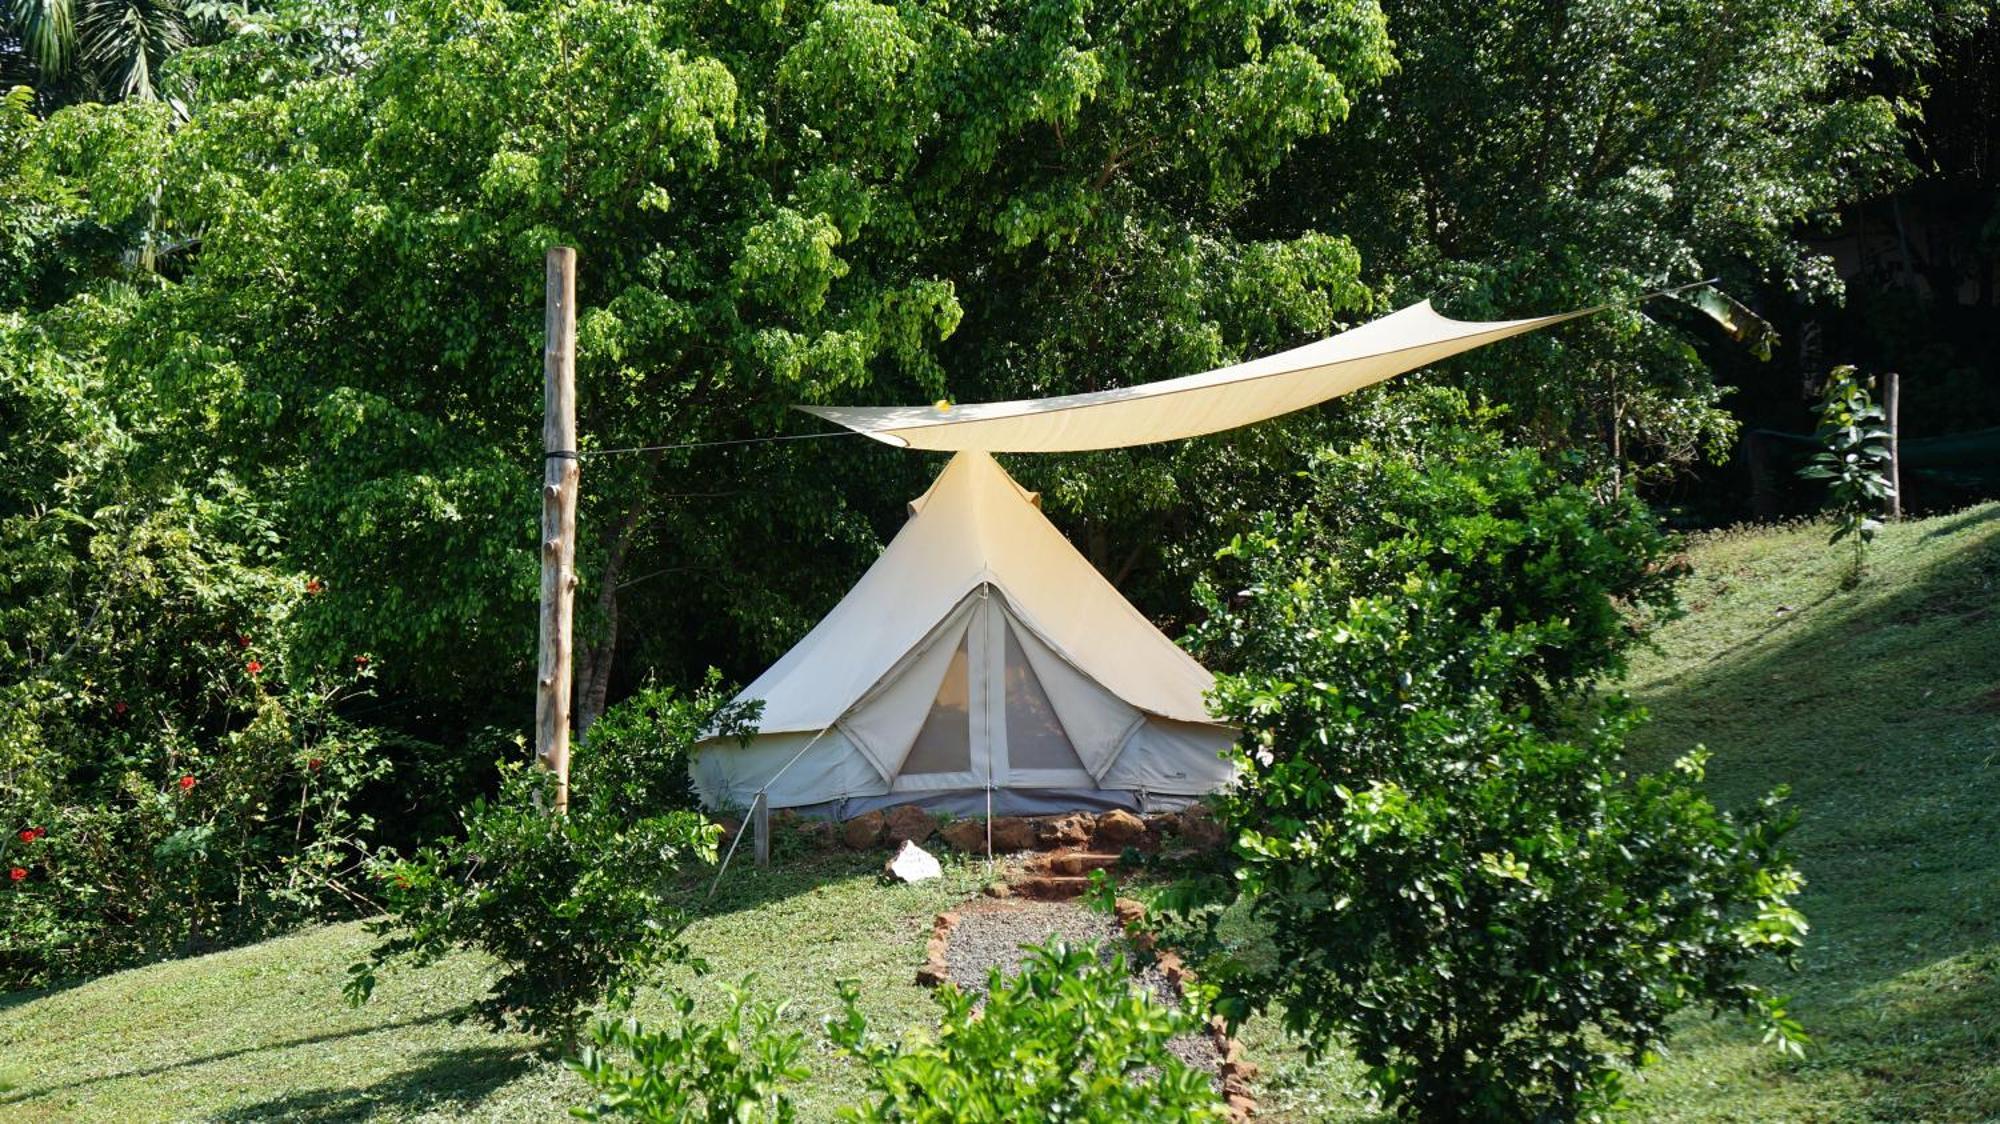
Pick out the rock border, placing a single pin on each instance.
(1192, 829)
(1236, 1071)
(934, 970)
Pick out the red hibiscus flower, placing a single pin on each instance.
(41, 833)
(17, 874)
(242, 641)
(187, 783)
(28, 835)
(314, 764)
(253, 667)
(315, 586)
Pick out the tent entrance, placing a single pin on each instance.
(987, 715)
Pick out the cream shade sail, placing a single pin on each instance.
(1191, 405)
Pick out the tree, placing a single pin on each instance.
(1853, 460)
(1530, 156)
(798, 205)
(104, 50)
(1491, 911)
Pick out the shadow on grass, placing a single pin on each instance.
(745, 887)
(1985, 513)
(18, 1093)
(1867, 707)
(441, 1081)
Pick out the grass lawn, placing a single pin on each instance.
(1878, 705)
(261, 1033)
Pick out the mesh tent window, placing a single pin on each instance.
(944, 744)
(1035, 736)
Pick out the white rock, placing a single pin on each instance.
(912, 864)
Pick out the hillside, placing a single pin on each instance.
(1879, 706)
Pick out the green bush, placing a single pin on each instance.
(1068, 1038)
(1575, 575)
(1853, 460)
(639, 752)
(190, 844)
(1495, 918)
(727, 1072)
(576, 908)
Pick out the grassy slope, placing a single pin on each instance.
(261, 1033)
(1880, 706)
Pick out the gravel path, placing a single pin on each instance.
(986, 937)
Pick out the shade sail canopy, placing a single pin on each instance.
(1192, 405)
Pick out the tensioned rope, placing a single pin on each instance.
(570, 454)
(763, 795)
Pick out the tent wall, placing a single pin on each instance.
(981, 653)
(1173, 757)
(728, 777)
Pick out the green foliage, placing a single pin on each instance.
(1854, 460)
(1494, 918)
(575, 908)
(785, 204)
(730, 1071)
(1070, 1037)
(1434, 494)
(1527, 157)
(639, 752)
(197, 787)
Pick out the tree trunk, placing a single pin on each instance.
(593, 668)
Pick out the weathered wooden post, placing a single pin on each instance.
(760, 819)
(559, 484)
(1892, 395)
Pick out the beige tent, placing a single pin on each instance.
(981, 655)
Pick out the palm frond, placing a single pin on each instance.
(125, 41)
(47, 32)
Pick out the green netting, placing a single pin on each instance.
(1965, 460)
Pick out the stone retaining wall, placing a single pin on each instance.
(1194, 828)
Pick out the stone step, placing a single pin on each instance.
(1051, 887)
(1079, 862)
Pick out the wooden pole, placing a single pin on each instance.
(760, 817)
(1892, 395)
(559, 486)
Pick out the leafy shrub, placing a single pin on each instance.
(1576, 576)
(1068, 1038)
(576, 908)
(1853, 460)
(197, 845)
(1493, 917)
(728, 1072)
(639, 751)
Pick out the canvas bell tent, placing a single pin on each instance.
(980, 657)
